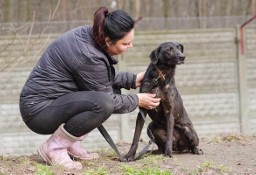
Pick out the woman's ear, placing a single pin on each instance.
(107, 41)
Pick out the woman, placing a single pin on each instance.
(74, 88)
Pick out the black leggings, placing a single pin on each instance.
(81, 112)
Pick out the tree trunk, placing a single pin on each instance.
(137, 9)
(253, 7)
(165, 8)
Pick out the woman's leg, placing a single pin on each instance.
(81, 112)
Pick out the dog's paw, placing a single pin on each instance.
(122, 159)
(168, 153)
(168, 149)
(127, 158)
(197, 151)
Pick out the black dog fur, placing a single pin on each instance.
(171, 129)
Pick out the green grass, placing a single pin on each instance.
(210, 166)
(43, 170)
(148, 170)
(108, 164)
(228, 138)
(100, 171)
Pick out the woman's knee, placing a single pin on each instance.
(82, 101)
(106, 102)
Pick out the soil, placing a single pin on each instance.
(223, 154)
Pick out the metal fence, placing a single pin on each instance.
(146, 24)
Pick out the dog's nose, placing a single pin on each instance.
(182, 58)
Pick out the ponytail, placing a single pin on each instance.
(98, 26)
(115, 25)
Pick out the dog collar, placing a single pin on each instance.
(161, 75)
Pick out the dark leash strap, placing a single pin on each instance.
(108, 138)
(144, 150)
(151, 141)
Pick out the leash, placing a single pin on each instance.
(154, 82)
(108, 138)
(151, 141)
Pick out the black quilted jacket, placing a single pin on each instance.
(72, 63)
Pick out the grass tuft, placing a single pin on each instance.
(100, 171)
(43, 170)
(134, 170)
(210, 166)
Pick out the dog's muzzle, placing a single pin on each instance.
(181, 60)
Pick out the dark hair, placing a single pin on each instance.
(115, 25)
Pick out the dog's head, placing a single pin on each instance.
(168, 53)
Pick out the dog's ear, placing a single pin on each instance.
(154, 56)
(181, 47)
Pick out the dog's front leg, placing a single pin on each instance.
(170, 128)
(130, 156)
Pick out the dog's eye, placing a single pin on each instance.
(169, 49)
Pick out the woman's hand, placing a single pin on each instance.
(139, 78)
(148, 101)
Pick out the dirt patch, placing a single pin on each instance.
(223, 154)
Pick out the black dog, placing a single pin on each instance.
(171, 128)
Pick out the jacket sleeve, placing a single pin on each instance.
(125, 103)
(125, 80)
(93, 75)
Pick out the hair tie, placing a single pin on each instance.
(106, 13)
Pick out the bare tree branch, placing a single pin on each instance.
(55, 10)
(28, 46)
(30, 31)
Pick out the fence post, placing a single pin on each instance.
(124, 120)
(242, 85)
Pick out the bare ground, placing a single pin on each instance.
(223, 154)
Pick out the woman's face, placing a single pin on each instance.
(121, 45)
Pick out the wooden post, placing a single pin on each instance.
(124, 120)
(242, 85)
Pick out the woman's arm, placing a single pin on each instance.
(128, 80)
(94, 76)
